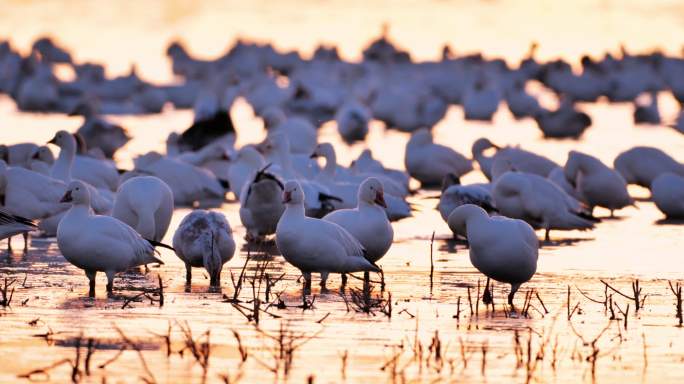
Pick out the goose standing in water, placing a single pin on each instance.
(539, 202)
(204, 239)
(261, 205)
(314, 245)
(97, 243)
(503, 249)
(668, 194)
(428, 162)
(598, 185)
(641, 165)
(11, 225)
(146, 204)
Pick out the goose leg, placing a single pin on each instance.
(25, 234)
(110, 283)
(547, 237)
(487, 295)
(9, 244)
(324, 280)
(514, 289)
(188, 274)
(366, 281)
(307, 282)
(344, 282)
(91, 277)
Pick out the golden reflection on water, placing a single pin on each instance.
(126, 32)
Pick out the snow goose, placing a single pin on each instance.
(98, 132)
(97, 243)
(146, 204)
(302, 133)
(314, 245)
(318, 199)
(564, 122)
(539, 202)
(42, 160)
(102, 199)
(367, 222)
(501, 248)
(429, 162)
(204, 239)
(668, 194)
(520, 103)
(647, 113)
(189, 184)
(481, 101)
(30, 194)
(598, 185)
(17, 154)
(11, 225)
(454, 195)
(557, 176)
(261, 205)
(243, 166)
(641, 165)
(520, 159)
(366, 164)
(352, 121)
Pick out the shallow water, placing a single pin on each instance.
(50, 294)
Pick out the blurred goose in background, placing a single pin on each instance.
(564, 122)
(98, 132)
(204, 239)
(481, 101)
(503, 249)
(518, 158)
(301, 133)
(97, 243)
(454, 195)
(42, 160)
(244, 164)
(314, 245)
(641, 165)
(557, 176)
(647, 113)
(429, 162)
(352, 121)
(261, 204)
(17, 154)
(668, 194)
(190, 184)
(146, 204)
(597, 184)
(520, 103)
(539, 202)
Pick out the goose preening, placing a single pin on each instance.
(539, 202)
(501, 248)
(641, 165)
(314, 245)
(146, 204)
(597, 184)
(261, 205)
(428, 162)
(204, 239)
(518, 158)
(667, 192)
(97, 243)
(454, 195)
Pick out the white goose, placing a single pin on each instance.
(243, 166)
(17, 154)
(42, 160)
(641, 165)
(539, 202)
(481, 101)
(189, 183)
(261, 205)
(204, 239)
(301, 132)
(503, 249)
(598, 185)
(146, 204)
(454, 195)
(314, 245)
(518, 158)
(352, 121)
(668, 194)
(367, 222)
(30, 194)
(429, 162)
(97, 243)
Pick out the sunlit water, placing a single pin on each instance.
(50, 293)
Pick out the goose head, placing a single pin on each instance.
(325, 150)
(372, 192)
(64, 140)
(482, 144)
(292, 193)
(77, 193)
(459, 217)
(44, 154)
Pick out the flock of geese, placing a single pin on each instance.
(331, 218)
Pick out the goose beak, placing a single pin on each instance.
(380, 199)
(287, 197)
(53, 140)
(313, 155)
(225, 157)
(35, 156)
(67, 197)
